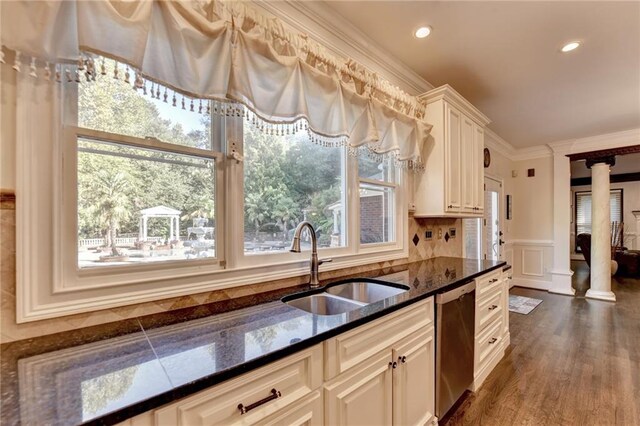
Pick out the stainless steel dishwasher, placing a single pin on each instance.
(455, 331)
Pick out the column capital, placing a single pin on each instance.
(610, 160)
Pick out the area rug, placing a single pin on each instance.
(522, 305)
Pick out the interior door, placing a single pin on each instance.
(492, 230)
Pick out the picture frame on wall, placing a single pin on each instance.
(509, 207)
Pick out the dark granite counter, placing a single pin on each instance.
(105, 374)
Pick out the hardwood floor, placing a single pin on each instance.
(572, 361)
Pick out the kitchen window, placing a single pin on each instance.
(146, 177)
(157, 186)
(288, 179)
(377, 189)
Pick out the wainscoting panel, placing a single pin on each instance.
(532, 262)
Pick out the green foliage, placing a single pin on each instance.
(286, 178)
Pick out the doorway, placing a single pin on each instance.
(491, 224)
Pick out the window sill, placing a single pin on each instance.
(106, 297)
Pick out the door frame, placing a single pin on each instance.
(501, 215)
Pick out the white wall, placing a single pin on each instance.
(630, 202)
(532, 233)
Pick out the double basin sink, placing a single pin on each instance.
(340, 298)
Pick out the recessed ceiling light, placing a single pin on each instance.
(570, 46)
(422, 32)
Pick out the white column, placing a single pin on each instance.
(140, 229)
(600, 234)
(177, 228)
(561, 272)
(170, 228)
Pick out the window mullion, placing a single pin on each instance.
(234, 194)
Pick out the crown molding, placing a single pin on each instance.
(532, 153)
(493, 141)
(597, 143)
(327, 27)
(449, 94)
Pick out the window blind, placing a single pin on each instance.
(583, 211)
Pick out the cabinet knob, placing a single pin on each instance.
(492, 307)
(493, 340)
(494, 280)
(393, 365)
(402, 359)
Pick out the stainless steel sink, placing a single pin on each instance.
(324, 304)
(364, 291)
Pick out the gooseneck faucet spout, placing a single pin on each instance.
(295, 248)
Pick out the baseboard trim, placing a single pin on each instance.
(535, 284)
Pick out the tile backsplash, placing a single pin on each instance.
(420, 248)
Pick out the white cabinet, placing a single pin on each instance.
(453, 181)
(292, 379)
(396, 385)
(380, 373)
(413, 380)
(491, 325)
(453, 156)
(362, 396)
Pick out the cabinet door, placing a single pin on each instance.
(467, 169)
(307, 412)
(478, 162)
(414, 380)
(362, 395)
(453, 139)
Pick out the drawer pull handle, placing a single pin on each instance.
(275, 394)
(393, 365)
(493, 340)
(402, 359)
(492, 307)
(494, 280)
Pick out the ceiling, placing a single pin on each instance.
(504, 57)
(629, 163)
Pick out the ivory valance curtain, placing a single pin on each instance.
(223, 51)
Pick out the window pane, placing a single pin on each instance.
(288, 179)
(369, 168)
(472, 238)
(138, 205)
(376, 214)
(111, 105)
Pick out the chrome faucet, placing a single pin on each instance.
(295, 248)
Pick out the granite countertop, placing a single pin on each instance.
(105, 374)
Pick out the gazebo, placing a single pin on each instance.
(160, 211)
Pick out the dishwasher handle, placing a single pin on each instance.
(456, 293)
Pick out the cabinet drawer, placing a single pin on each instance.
(293, 377)
(488, 309)
(488, 342)
(351, 348)
(487, 285)
(307, 412)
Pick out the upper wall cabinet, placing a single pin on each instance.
(453, 180)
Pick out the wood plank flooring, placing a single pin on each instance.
(572, 361)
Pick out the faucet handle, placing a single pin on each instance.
(321, 261)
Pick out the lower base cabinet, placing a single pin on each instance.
(381, 373)
(363, 395)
